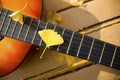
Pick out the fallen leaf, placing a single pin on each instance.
(17, 16)
(77, 2)
(54, 16)
(51, 38)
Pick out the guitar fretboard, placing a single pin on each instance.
(75, 44)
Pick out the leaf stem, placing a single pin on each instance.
(43, 52)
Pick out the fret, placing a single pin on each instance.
(14, 27)
(63, 30)
(116, 62)
(6, 24)
(37, 38)
(45, 27)
(102, 53)
(3, 17)
(32, 31)
(107, 54)
(75, 44)
(21, 28)
(25, 29)
(41, 41)
(50, 26)
(113, 56)
(54, 27)
(80, 46)
(28, 29)
(35, 32)
(85, 47)
(66, 36)
(9, 22)
(91, 48)
(11, 28)
(96, 51)
(70, 43)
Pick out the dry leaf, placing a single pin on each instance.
(17, 16)
(76, 2)
(54, 16)
(51, 38)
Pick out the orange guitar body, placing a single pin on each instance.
(12, 52)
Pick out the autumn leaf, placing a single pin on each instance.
(51, 38)
(17, 16)
(77, 2)
(53, 16)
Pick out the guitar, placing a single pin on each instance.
(75, 44)
(14, 51)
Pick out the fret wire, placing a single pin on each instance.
(102, 52)
(61, 35)
(35, 32)
(41, 39)
(113, 56)
(70, 43)
(28, 29)
(21, 27)
(54, 27)
(3, 20)
(91, 48)
(78, 52)
(8, 25)
(13, 30)
(46, 26)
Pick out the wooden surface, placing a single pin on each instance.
(74, 19)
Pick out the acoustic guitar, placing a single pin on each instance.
(75, 44)
(12, 52)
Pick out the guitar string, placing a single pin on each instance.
(108, 50)
(74, 37)
(67, 35)
(95, 56)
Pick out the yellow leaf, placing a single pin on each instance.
(17, 16)
(51, 38)
(54, 15)
(76, 2)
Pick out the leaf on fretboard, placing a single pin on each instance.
(18, 15)
(51, 38)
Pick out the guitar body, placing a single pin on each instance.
(12, 52)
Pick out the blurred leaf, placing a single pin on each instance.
(54, 16)
(17, 16)
(76, 2)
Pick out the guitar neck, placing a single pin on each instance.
(75, 44)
